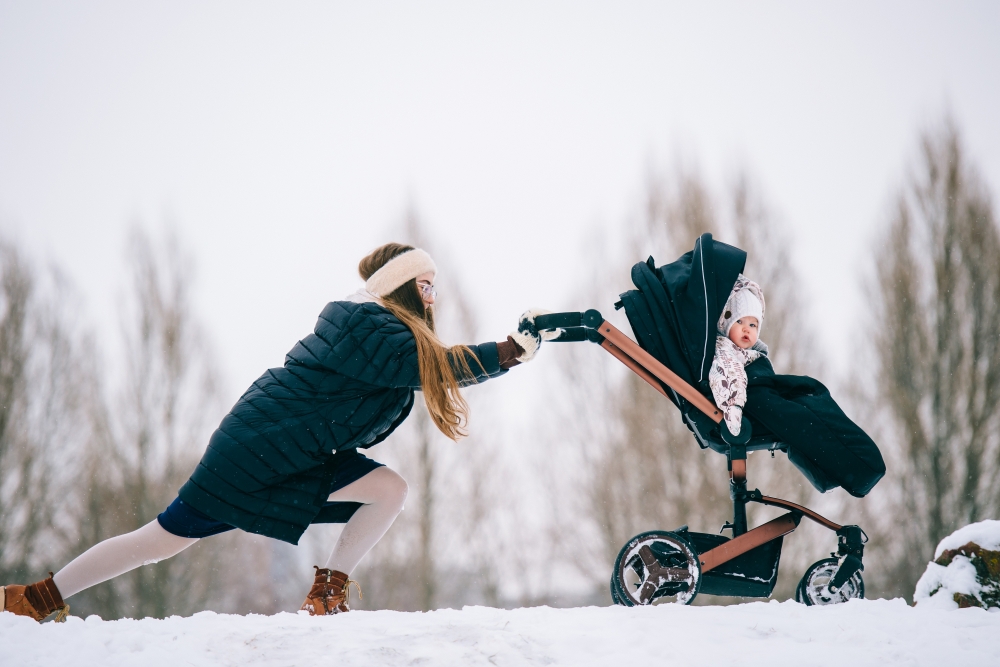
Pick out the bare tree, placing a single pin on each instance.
(147, 444)
(935, 311)
(43, 391)
(23, 466)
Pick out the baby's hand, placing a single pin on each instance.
(734, 418)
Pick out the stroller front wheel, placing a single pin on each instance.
(813, 588)
(654, 567)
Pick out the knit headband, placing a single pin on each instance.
(398, 270)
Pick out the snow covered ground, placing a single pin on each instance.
(862, 632)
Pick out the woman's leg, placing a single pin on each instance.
(118, 555)
(383, 492)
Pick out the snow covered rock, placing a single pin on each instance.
(965, 571)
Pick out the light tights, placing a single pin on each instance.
(382, 491)
(118, 555)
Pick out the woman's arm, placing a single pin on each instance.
(487, 360)
(509, 351)
(366, 343)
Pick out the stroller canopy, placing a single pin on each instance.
(675, 310)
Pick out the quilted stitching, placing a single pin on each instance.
(348, 384)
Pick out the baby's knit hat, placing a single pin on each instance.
(746, 300)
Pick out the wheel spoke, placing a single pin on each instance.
(648, 558)
(655, 570)
(646, 593)
(674, 574)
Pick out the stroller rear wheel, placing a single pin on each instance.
(813, 587)
(655, 567)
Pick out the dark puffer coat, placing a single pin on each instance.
(269, 466)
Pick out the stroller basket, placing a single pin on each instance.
(749, 575)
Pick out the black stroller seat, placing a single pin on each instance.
(673, 312)
(707, 435)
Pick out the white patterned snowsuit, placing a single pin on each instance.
(728, 380)
(728, 377)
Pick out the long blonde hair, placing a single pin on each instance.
(438, 363)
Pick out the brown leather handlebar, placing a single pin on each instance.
(647, 362)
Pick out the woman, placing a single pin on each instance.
(287, 454)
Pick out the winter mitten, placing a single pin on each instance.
(527, 336)
(36, 600)
(734, 418)
(330, 593)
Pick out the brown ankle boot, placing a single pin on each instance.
(329, 593)
(36, 600)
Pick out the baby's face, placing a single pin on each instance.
(744, 332)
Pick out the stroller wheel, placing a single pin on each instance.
(813, 587)
(655, 567)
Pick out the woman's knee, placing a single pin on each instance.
(392, 486)
(154, 538)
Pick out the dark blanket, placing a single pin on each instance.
(674, 312)
(823, 442)
(271, 464)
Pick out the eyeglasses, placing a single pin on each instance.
(427, 290)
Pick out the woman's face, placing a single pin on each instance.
(425, 284)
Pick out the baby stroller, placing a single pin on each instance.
(673, 313)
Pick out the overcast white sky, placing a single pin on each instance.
(284, 139)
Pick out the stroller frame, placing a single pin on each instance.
(591, 326)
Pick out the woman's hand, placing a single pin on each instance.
(527, 336)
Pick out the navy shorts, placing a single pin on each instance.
(185, 521)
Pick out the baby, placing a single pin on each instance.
(736, 346)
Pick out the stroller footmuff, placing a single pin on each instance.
(673, 312)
